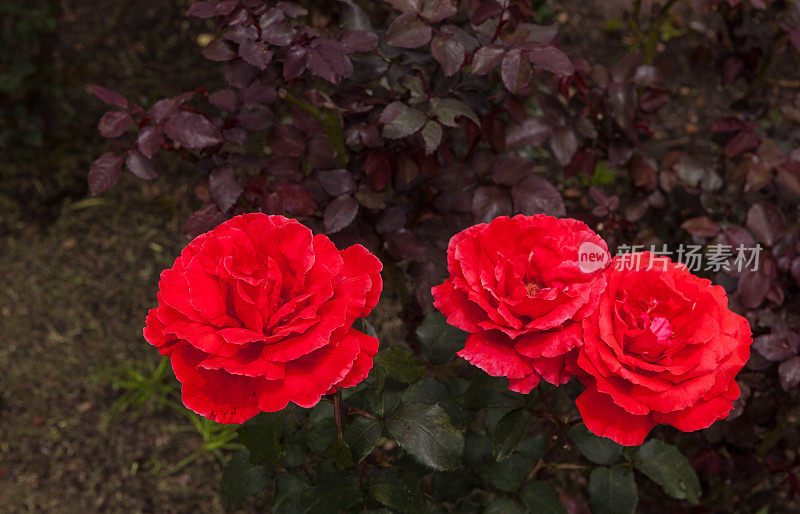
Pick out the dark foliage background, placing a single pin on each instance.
(396, 124)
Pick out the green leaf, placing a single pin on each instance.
(321, 435)
(367, 328)
(448, 109)
(611, 491)
(340, 453)
(361, 436)
(400, 120)
(599, 450)
(391, 490)
(511, 429)
(260, 434)
(485, 390)
(503, 506)
(241, 479)
(507, 475)
(439, 341)
(384, 402)
(477, 448)
(425, 432)
(541, 498)
(451, 486)
(334, 493)
(400, 365)
(665, 465)
(288, 489)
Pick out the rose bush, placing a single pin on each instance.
(258, 313)
(662, 347)
(517, 286)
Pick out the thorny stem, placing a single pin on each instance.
(337, 412)
(330, 124)
(358, 412)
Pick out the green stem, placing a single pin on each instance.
(330, 124)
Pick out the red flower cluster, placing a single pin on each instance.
(652, 344)
(662, 347)
(258, 313)
(518, 287)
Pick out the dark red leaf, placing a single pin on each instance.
(777, 346)
(489, 202)
(337, 182)
(202, 10)
(295, 62)
(114, 123)
(701, 226)
(531, 132)
(287, 140)
(766, 222)
(789, 373)
(202, 221)
(507, 172)
(296, 200)
(408, 31)
(404, 245)
(729, 124)
(432, 136)
(255, 53)
(536, 195)
(752, 288)
(105, 172)
(165, 108)
(225, 7)
(400, 120)
(256, 117)
(515, 71)
(292, 9)
(583, 162)
(327, 59)
(449, 53)
(406, 6)
(788, 177)
(225, 99)
(564, 144)
(486, 58)
(551, 59)
(358, 40)
(192, 130)
(438, 10)
(339, 214)
(653, 99)
(370, 198)
(224, 188)
(487, 9)
(392, 219)
(149, 140)
(141, 166)
(744, 141)
(109, 96)
(218, 50)
(235, 135)
(241, 74)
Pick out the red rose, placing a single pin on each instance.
(520, 286)
(257, 313)
(662, 347)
